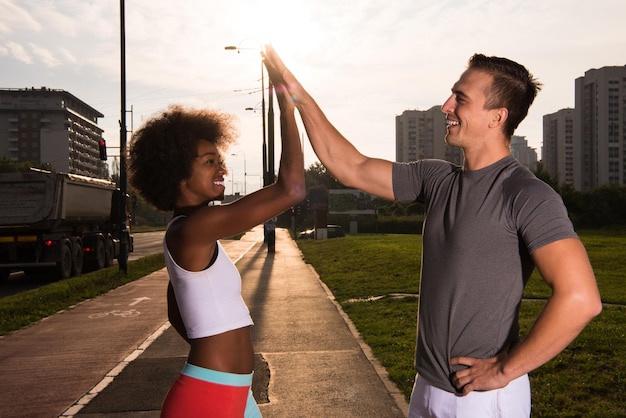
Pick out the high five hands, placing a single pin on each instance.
(282, 79)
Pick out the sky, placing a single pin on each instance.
(364, 62)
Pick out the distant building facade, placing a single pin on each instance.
(45, 125)
(586, 146)
(558, 154)
(420, 134)
(522, 152)
(600, 127)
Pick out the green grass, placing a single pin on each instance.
(586, 380)
(606, 253)
(366, 265)
(28, 307)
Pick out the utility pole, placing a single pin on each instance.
(123, 256)
(270, 228)
(269, 232)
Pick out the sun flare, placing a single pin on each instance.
(290, 25)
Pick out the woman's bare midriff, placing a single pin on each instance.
(230, 352)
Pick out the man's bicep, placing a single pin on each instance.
(374, 176)
(564, 263)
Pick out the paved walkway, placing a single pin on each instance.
(116, 355)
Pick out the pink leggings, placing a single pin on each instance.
(199, 392)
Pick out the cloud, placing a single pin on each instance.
(62, 21)
(18, 52)
(14, 16)
(68, 56)
(44, 55)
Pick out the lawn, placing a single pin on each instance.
(375, 278)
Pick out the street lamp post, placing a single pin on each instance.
(268, 151)
(245, 172)
(232, 185)
(264, 149)
(270, 134)
(124, 244)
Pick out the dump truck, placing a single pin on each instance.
(60, 223)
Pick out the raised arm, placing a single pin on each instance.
(215, 222)
(575, 300)
(335, 152)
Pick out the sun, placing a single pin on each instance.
(290, 25)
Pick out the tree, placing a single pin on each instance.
(9, 166)
(542, 174)
(318, 176)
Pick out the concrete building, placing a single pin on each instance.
(420, 134)
(522, 152)
(45, 125)
(600, 127)
(557, 152)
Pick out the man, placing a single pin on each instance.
(488, 224)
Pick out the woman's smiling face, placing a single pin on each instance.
(206, 182)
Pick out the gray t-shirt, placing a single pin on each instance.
(481, 227)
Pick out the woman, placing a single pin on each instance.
(176, 164)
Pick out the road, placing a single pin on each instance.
(145, 243)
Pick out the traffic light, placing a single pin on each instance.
(102, 146)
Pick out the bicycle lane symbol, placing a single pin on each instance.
(120, 312)
(116, 312)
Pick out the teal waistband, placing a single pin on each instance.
(222, 378)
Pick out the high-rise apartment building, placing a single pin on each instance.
(420, 134)
(522, 152)
(44, 125)
(558, 154)
(600, 127)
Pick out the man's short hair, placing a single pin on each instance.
(513, 87)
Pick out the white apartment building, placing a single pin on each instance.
(45, 125)
(557, 152)
(420, 134)
(586, 146)
(600, 127)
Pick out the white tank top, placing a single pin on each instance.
(209, 301)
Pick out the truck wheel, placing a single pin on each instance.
(100, 254)
(64, 265)
(109, 256)
(99, 260)
(77, 259)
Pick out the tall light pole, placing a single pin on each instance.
(232, 186)
(264, 149)
(270, 134)
(245, 172)
(268, 150)
(124, 245)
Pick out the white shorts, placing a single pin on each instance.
(512, 401)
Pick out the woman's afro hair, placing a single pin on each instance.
(162, 151)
